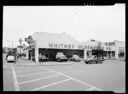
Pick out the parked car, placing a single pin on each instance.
(44, 58)
(106, 58)
(93, 59)
(113, 58)
(102, 59)
(75, 58)
(11, 58)
(61, 57)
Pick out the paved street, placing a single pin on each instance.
(73, 76)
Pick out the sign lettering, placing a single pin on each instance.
(65, 46)
(71, 46)
(50, 45)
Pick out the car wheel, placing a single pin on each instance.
(58, 60)
(91, 62)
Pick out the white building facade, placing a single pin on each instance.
(114, 49)
(49, 44)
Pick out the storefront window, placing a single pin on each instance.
(105, 53)
(113, 53)
(121, 54)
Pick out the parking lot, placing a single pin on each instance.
(73, 76)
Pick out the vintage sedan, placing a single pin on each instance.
(61, 57)
(75, 58)
(44, 58)
(92, 59)
(11, 58)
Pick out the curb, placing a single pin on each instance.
(31, 63)
(42, 64)
(55, 64)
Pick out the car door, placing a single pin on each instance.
(95, 59)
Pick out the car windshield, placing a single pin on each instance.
(76, 56)
(60, 54)
(94, 56)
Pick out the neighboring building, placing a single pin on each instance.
(114, 50)
(120, 49)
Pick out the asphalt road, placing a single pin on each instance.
(78, 76)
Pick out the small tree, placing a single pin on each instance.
(3, 50)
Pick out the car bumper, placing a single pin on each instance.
(11, 60)
(63, 59)
(77, 60)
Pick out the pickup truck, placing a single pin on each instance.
(61, 57)
(92, 59)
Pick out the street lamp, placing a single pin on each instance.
(20, 41)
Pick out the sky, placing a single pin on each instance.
(102, 23)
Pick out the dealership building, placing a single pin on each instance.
(49, 44)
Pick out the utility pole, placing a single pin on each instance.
(20, 41)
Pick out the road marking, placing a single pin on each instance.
(32, 74)
(92, 88)
(29, 70)
(50, 84)
(16, 85)
(120, 90)
(39, 79)
(86, 84)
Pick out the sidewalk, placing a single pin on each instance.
(21, 61)
(50, 63)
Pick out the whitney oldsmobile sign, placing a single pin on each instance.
(71, 46)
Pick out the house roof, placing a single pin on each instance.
(43, 38)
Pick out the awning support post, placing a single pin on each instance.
(36, 54)
(85, 53)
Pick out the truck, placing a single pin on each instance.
(93, 59)
(61, 57)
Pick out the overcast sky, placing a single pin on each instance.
(103, 23)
